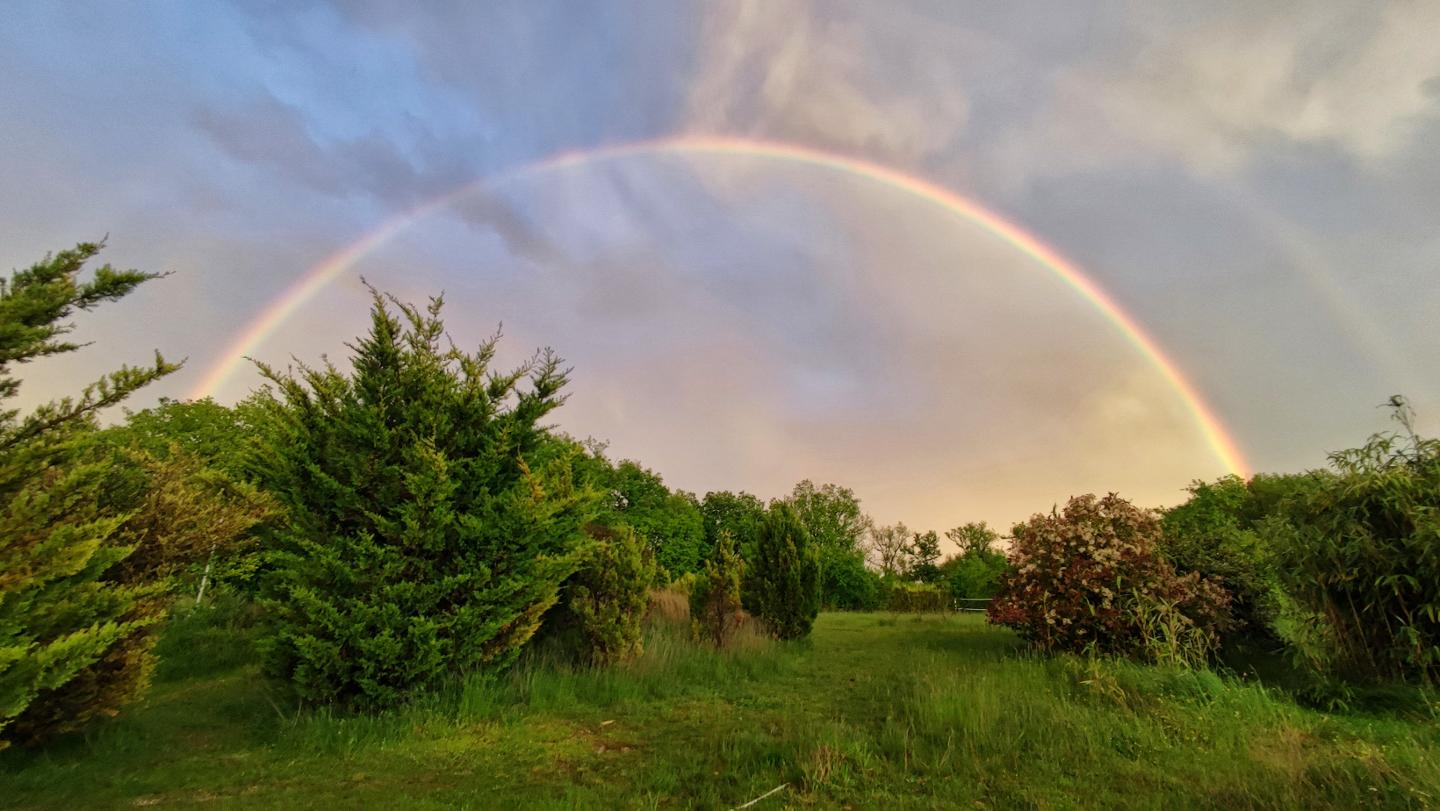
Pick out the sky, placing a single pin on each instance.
(1253, 185)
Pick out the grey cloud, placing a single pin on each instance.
(549, 74)
(269, 133)
(272, 135)
(814, 73)
(1208, 89)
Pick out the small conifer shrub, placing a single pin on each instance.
(715, 610)
(786, 575)
(610, 594)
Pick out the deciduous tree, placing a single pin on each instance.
(888, 549)
(837, 527)
(670, 522)
(924, 555)
(973, 538)
(739, 514)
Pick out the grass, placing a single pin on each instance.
(872, 711)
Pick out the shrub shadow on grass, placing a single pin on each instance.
(971, 637)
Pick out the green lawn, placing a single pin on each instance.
(874, 711)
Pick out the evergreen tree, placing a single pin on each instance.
(431, 517)
(715, 611)
(74, 644)
(610, 593)
(738, 515)
(786, 575)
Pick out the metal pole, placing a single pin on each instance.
(205, 578)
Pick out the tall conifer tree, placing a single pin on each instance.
(785, 574)
(74, 644)
(432, 518)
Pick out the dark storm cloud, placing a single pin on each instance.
(548, 75)
(272, 135)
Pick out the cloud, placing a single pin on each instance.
(810, 73)
(274, 137)
(1218, 93)
(537, 77)
(744, 323)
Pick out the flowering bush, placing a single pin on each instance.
(1089, 579)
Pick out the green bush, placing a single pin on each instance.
(187, 522)
(786, 575)
(1358, 553)
(739, 514)
(610, 593)
(218, 435)
(715, 611)
(847, 583)
(670, 522)
(195, 514)
(75, 644)
(430, 521)
(1214, 535)
(975, 575)
(685, 583)
(1090, 579)
(917, 598)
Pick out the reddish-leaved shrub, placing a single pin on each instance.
(1090, 579)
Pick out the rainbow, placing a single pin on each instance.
(1216, 436)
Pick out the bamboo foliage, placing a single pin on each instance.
(1359, 554)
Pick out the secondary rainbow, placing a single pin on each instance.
(1216, 436)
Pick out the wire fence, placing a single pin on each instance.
(932, 601)
(980, 604)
